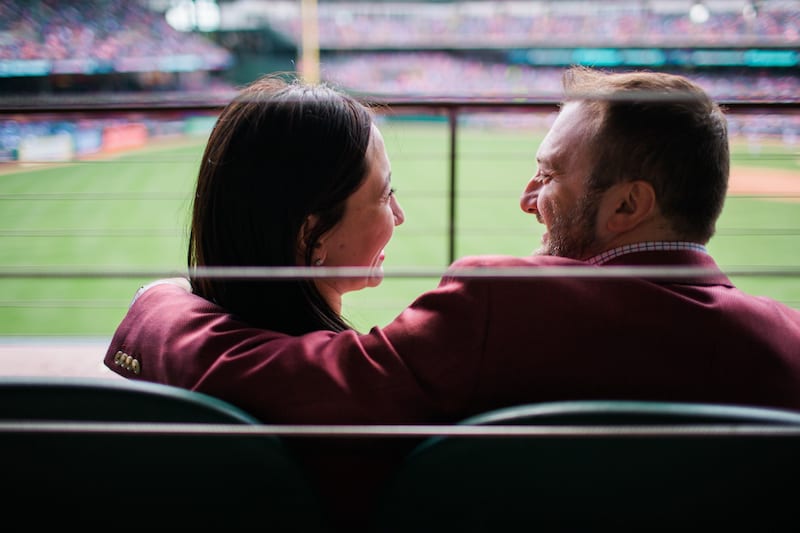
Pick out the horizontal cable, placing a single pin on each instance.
(505, 195)
(91, 233)
(494, 193)
(60, 304)
(385, 430)
(284, 273)
(38, 164)
(94, 196)
(507, 231)
(735, 232)
(428, 232)
(111, 304)
(214, 102)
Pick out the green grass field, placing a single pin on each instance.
(129, 213)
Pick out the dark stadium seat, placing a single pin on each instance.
(602, 466)
(129, 454)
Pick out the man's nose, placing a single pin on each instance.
(530, 195)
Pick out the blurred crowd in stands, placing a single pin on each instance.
(509, 24)
(439, 74)
(444, 74)
(97, 34)
(418, 50)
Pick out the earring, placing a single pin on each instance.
(318, 261)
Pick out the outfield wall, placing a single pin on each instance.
(27, 140)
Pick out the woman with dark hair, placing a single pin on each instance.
(293, 175)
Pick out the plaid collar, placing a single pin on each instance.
(650, 246)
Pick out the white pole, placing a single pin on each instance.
(309, 61)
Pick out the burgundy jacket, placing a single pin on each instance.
(476, 344)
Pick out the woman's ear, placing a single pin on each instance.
(303, 238)
(632, 203)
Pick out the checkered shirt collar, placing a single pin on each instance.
(651, 246)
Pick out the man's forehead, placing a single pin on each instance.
(567, 135)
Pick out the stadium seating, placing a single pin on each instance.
(602, 466)
(120, 453)
(109, 453)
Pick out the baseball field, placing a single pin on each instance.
(78, 238)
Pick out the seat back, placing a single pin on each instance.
(111, 400)
(630, 412)
(573, 466)
(119, 453)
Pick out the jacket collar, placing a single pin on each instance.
(709, 273)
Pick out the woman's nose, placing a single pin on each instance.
(399, 214)
(530, 195)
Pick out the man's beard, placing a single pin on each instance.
(572, 233)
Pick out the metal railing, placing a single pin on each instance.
(451, 108)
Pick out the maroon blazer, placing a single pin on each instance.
(476, 344)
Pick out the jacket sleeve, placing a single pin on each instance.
(417, 368)
(422, 366)
(441, 338)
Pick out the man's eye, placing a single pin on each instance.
(391, 192)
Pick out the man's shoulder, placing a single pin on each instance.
(500, 261)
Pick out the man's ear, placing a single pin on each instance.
(632, 203)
